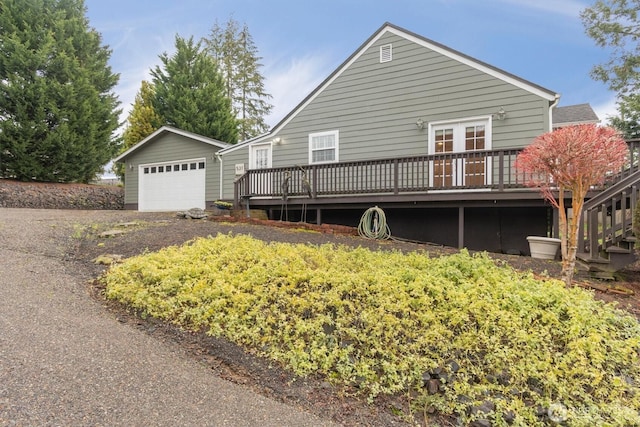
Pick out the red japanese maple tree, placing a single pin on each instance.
(574, 159)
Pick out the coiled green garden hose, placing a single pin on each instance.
(373, 224)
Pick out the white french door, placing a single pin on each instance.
(260, 158)
(449, 138)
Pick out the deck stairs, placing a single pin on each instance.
(606, 242)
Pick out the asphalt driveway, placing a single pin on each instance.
(66, 361)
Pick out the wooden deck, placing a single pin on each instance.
(473, 179)
(452, 177)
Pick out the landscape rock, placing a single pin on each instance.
(40, 195)
(110, 233)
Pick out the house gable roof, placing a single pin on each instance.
(168, 129)
(574, 114)
(423, 41)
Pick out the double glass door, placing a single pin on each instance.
(449, 170)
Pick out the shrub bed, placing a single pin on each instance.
(456, 334)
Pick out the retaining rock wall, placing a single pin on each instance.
(38, 195)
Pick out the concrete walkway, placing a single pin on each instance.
(66, 361)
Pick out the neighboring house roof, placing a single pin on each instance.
(573, 115)
(168, 129)
(423, 41)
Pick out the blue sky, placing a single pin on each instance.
(301, 42)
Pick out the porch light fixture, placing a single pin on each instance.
(420, 123)
(501, 114)
(130, 166)
(277, 140)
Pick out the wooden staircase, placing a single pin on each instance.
(606, 242)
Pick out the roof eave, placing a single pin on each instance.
(545, 93)
(166, 129)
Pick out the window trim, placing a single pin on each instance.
(458, 124)
(336, 148)
(459, 165)
(253, 147)
(172, 166)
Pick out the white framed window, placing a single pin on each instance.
(386, 53)
(260, 156)
(323, 147)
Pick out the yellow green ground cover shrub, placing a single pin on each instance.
(458, 334)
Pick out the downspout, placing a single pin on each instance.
(219, 157)
(555, 217)
(551, 107)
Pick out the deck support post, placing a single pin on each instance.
(555, 230)
(460, 227)
(319, 216)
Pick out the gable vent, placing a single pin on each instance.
(385, 53)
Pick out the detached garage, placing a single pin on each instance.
(172, 170)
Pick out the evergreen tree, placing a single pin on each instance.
(238, 59)
(614, 23)
(141, 122)
(190, 94)
(58, 113)
(629, 120)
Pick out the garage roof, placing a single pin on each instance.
(168, 129)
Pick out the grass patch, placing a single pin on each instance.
(457, 334)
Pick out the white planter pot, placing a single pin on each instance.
(543, 247)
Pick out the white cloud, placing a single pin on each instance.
(606, 109)
(138, 62)
(290, 84)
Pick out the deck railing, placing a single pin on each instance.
(487, 169)
(470, 170)
(607, 218)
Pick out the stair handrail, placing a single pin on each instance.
(599, 203)
(606, 194)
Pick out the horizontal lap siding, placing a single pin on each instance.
(229, 161)
(375, 106)
(171, 147)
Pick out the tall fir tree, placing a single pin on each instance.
(237, 57)
(615, 24)
(190, 94)
(58, 112)
(628, 122)
(141, 122)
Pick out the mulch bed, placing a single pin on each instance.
(230, 361)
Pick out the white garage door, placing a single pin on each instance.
(172, 186)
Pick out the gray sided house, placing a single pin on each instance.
(172, 169)
(392, 127)
(401, 94)
(426, 133)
